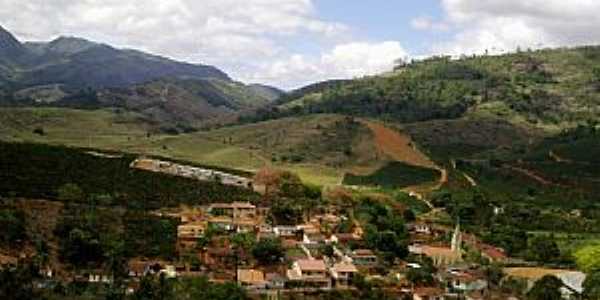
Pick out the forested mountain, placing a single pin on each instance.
(80, 63)
(77, 73)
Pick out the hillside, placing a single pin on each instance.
(549, 89)
(77, 73)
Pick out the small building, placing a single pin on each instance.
(420, 228)
(309, 273)
(188, 234)
(289, 232)
(313, 238)
(364, 258)
(236, 216)
(493, 254)
(464, 282)
(235, 210)
(253, 279)
(343, 273)
(137, 268)
(275, 281)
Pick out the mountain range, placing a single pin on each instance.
(75, 72)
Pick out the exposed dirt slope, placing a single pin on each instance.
(400, 147)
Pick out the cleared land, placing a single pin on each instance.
(320, 148)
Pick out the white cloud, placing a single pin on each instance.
(234, 35)
(498, 25)
(343, 61)
(427, 23)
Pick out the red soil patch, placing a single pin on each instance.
(398, 146)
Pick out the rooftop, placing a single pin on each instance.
(311, 265)
(251, 276)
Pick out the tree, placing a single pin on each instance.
(268, 251)
(544, 249)
(591, 286)
(13, 226)
(420, 277)
(494, 274)
(547, 288)
(588, 259)
(70, 192)
(39, 131)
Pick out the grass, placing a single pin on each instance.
(82, 128)
(320, 140)
(570, 242)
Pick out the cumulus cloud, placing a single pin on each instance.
(231, 34)
(503, 25)
(343, 61)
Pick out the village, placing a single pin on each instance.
(317, 258)
(294, 240)
(326, 250)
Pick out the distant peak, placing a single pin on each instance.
(70, 45)
(9, 45)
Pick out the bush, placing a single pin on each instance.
(39, 131)
(268, 251)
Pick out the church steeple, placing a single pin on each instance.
(457, 239)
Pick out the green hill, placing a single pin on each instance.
(548, 89)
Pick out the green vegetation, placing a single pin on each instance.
(547, 288)
(394, 175)
(545, 88)
(385, 229)
(588, 258)
(13, 227)
(268, 251)
(41, 171)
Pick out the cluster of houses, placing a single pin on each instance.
(307, 268)
(155, 165)
(320, 258)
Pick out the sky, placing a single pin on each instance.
(291, 43)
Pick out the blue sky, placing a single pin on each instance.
(382, 20)
(291, 43)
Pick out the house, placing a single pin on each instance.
(492, 253)
(136, 269)
(188, 234)
(235, 210)
(286, 231)
(253, 279)
(464, 282)
(309, 273)
(343, 273)
(363, 258)
(275, 281)
(573, 280)
(313, 238)
(430, 293)
(238, 216)
(420, 228)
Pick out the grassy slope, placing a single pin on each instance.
(100, 128)
(320, 141)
